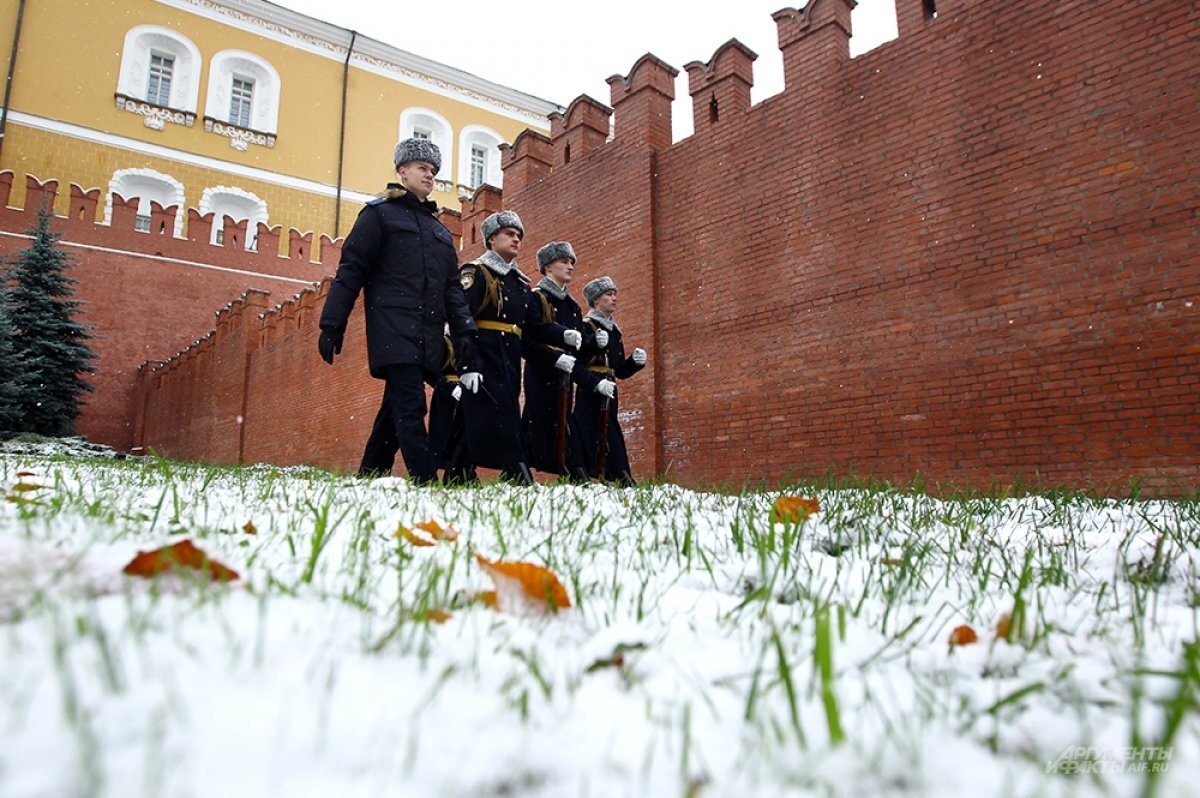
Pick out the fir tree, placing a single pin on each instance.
(49, 346)
(9, 412)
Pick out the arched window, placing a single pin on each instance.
(160, 68)
(243, 99)
(147, 185)
(479, 158)
(427, 124)
(222, 201)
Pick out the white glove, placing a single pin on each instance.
(456, 394)
(639, 356)
(573, 338)
(607, 388)
(601, 338)
(471, 381)
(565, 363)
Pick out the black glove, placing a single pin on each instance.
(329, 344)
(465, 351)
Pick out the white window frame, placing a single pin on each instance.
(440, 133)
(237, 204)
(134, 78)
(164, 71)
(146, 185)
(490, 140)
(229, 64)
(241, 94)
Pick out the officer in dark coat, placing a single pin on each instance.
(550, 430)
(503, 306)
(403, 261)
(596, 401)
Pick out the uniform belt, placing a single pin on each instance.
(451, 378)
(499, 326)
(600, 369)
(555, 348)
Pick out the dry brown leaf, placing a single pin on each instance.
(891, 561)
(523, 584)
(435, 616)
(488, 597)
(438, 531)
(25, 487)
(183, 554)
(793, 509)
(23, 474)
(249, 528)
(1003, 625)
(963, 635)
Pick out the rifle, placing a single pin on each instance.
(602, 444)
(560, 438)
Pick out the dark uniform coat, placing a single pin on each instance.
(593, 411)
(505, 312)
(549, 391)
(403, 261)
(446, 432)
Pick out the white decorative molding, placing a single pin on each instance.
(146, 185)
(491, 141)
(237, 204)
(143, 40)
(442, 134)
(330, 41)
(264, 104)
(156, 116)
(240, 137)
(181, 156)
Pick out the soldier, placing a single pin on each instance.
(403, 261)
(502, 304)
(550, 431)
(596, 401)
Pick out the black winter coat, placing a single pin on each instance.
(610, 363)
(403, 260)
(547, 389)
(493, 415)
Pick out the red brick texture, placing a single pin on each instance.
(970, 254)
(147, 296)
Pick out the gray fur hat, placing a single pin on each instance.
(418, 150)
(493, 223)
(597, 288)
(555, 250)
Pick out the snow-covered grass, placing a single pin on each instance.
(709, 652)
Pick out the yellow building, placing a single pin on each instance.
(236, 107)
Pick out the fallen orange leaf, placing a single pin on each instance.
(793, 509)
(963, 635)
(438, 531)
(250, 528)
(525, 585)
(183, 554)
(436, 616)
(404, 532)
(488, 597)
(23, 474)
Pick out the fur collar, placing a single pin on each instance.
(551, 288)
(500, 267)
(607, 322)
(395, 191)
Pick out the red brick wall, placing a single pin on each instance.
(147, 297)
(970, 254)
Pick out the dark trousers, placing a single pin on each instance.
(400, 425)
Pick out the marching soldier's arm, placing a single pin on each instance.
(357, 261)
